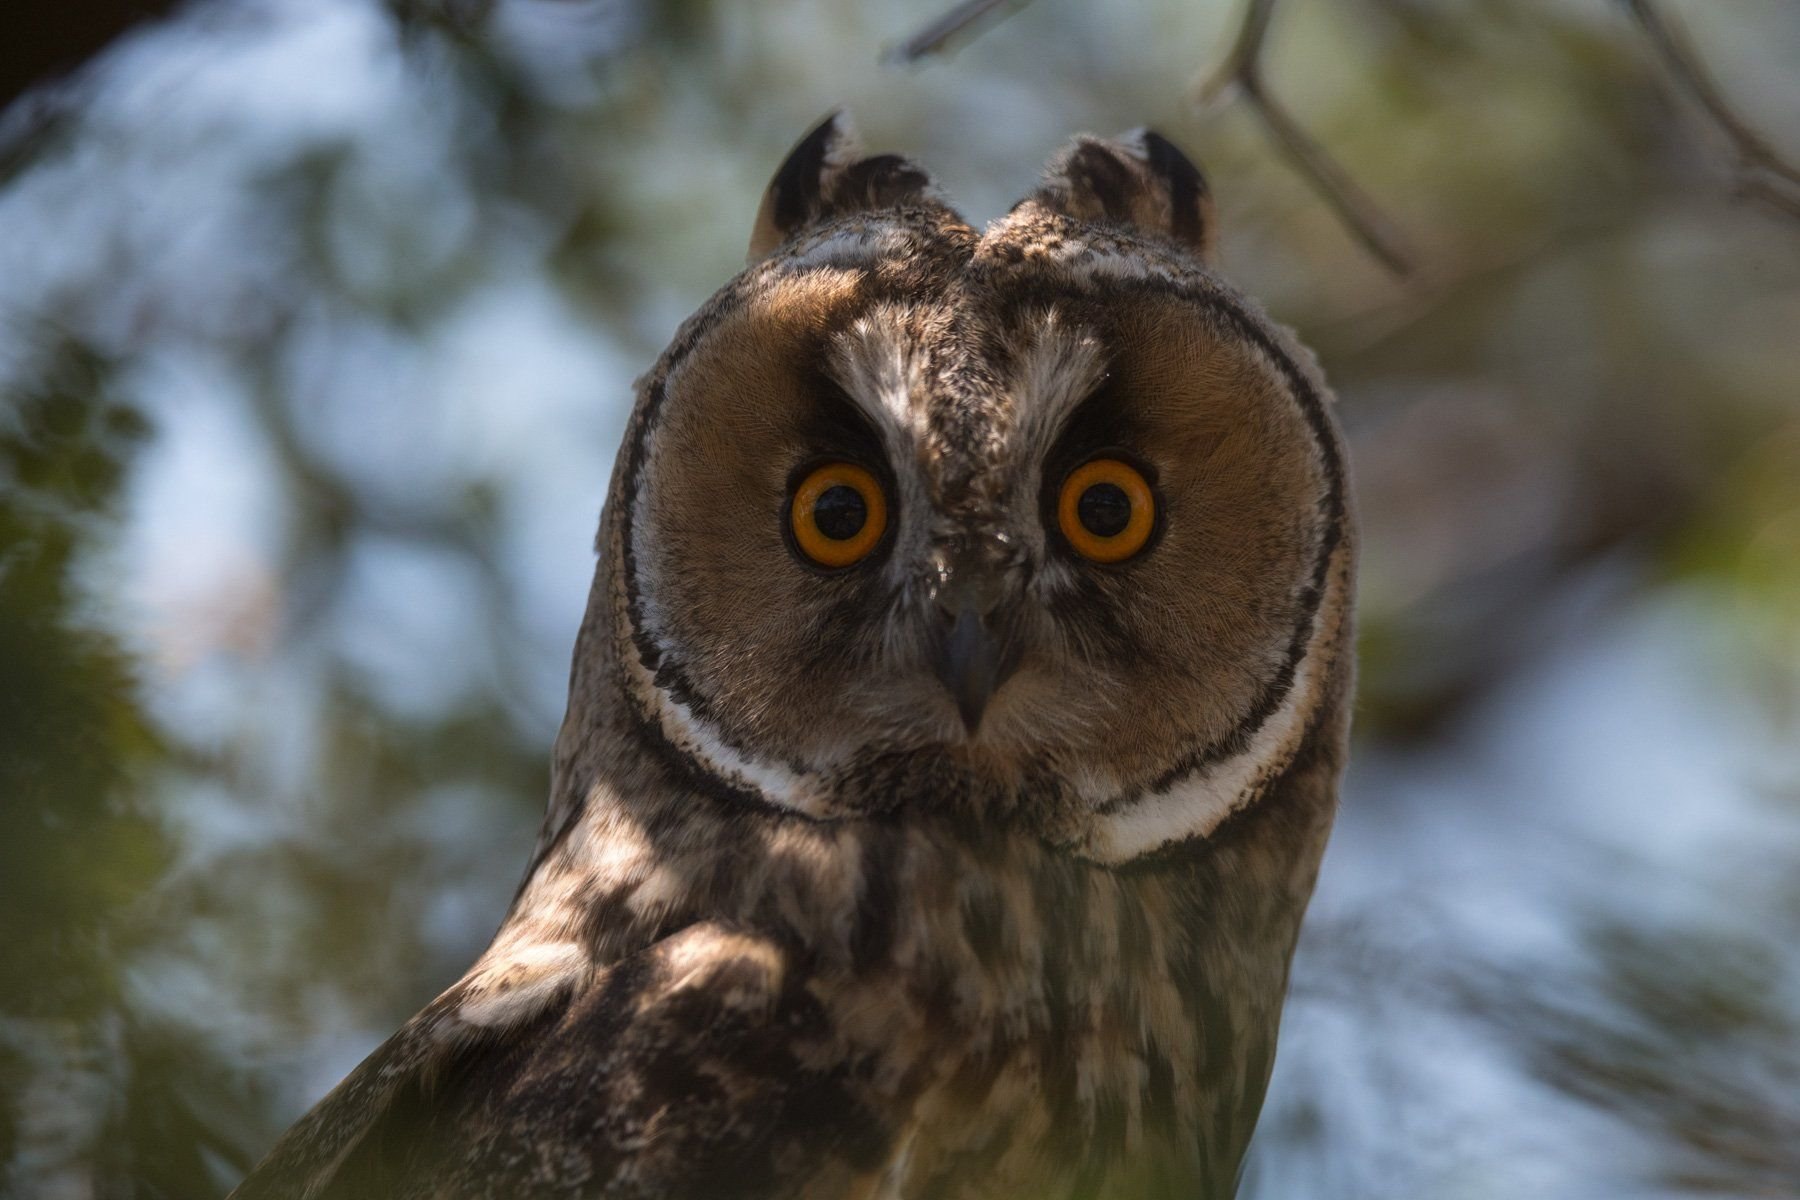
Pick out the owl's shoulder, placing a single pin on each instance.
(705, 1064)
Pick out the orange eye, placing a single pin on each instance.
(838, 514)
(1106, 510)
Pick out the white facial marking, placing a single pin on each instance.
(1199, 803)
(1196, 805)
(874, 364)
(776, 784)
(684, 729)
(1058, 370)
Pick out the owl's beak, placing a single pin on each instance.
(973, 590)
(973, 660)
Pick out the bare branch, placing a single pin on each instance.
(1355, 208)
(1776, 192)
(1761, 170)
(1242, 65)
(934, 37)
(1240, 74)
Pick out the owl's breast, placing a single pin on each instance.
(1004, 1018)
(1053, 1029)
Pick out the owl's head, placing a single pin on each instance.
(1041, 523)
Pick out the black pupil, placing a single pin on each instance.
(1104, 509)
(840, 513)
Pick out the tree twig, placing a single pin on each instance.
(934, 37)
(1240, 73)
(1761, 170)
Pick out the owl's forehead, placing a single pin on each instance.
(970, 351)
(965, 381)
(973, 310)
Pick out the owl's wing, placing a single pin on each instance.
(705, 1065)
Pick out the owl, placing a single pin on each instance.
(953, 733)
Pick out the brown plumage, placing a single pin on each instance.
(971, 868)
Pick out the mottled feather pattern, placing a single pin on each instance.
(794, 927)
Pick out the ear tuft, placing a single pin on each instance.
(1138, 180)
(824, 176)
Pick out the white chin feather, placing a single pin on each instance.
(1199, 803)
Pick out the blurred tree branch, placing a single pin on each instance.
(935, 36)
(1241, 73)
(1760, 170)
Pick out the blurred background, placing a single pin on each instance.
(318, 320)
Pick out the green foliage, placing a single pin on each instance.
(77, 848)
(81, 849)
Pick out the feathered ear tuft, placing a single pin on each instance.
(1139, 180)
(825, 176)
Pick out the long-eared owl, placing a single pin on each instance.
(953, 733)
